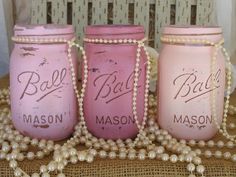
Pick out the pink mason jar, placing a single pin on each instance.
(185, 82)
(108, 98)
(43, 102)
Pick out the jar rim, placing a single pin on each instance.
(191, 30)
(42, 30)
(113, 29)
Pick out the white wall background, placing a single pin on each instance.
(226, 17)
(6, 22)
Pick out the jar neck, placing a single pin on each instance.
(45, 39)
(193, 40)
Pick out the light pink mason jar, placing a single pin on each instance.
(185, 83)
(108, 98)
(43, 102)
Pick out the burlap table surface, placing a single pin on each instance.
(126, 168)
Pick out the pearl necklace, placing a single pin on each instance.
(217, 46)
(98, 147)
(140, 45)
(80, 98)
(118, 149)
(37, 40)
(67, 153)
(81, 134)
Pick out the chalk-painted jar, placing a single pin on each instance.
(108, 99)
(186, 82)
(43, 102)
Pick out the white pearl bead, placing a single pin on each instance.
(191, 167)
(207, 154)
(103, 154)
(61, 175)
(220, 144)
(152, 155)
(20, 157)
(43, 168)
(131, 155)
(197, 160)
(230, 144)
(227, 155)
(159, 149)
(188, 158)
(89, 158)
(192, 175)
(74, 159)
(200, 169)
(173, 158)
(210, 143)
(30, 155)
(51, 166)
(233, 158)
(58, 158)
(65, 154)
(165, 157)
(40, 154)
(141, 156)
(60, 166)
(35, 175)
(17, 172)
(218, 154)
(122, 155)
(201, 143)
(112, 155)
(13, 164)
(181, 158)
(45, 175)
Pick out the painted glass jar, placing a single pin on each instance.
(187, 81)
(43, 102)
(108, 98)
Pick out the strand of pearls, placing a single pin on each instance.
(97, 147)
(140, 45)
(141, 140)
(217, 46)
(36, 40)
(66, 153)
(14, 146)
(4, 97)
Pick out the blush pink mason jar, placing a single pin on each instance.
(108, 98)
(43, 102)
(185, 83)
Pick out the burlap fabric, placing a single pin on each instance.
(128, 168)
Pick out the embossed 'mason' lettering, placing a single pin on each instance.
(42, 119)
(192, 119)
(115, 120)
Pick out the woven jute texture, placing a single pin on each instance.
(128, 168)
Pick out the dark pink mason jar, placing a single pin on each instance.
(108, 98)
